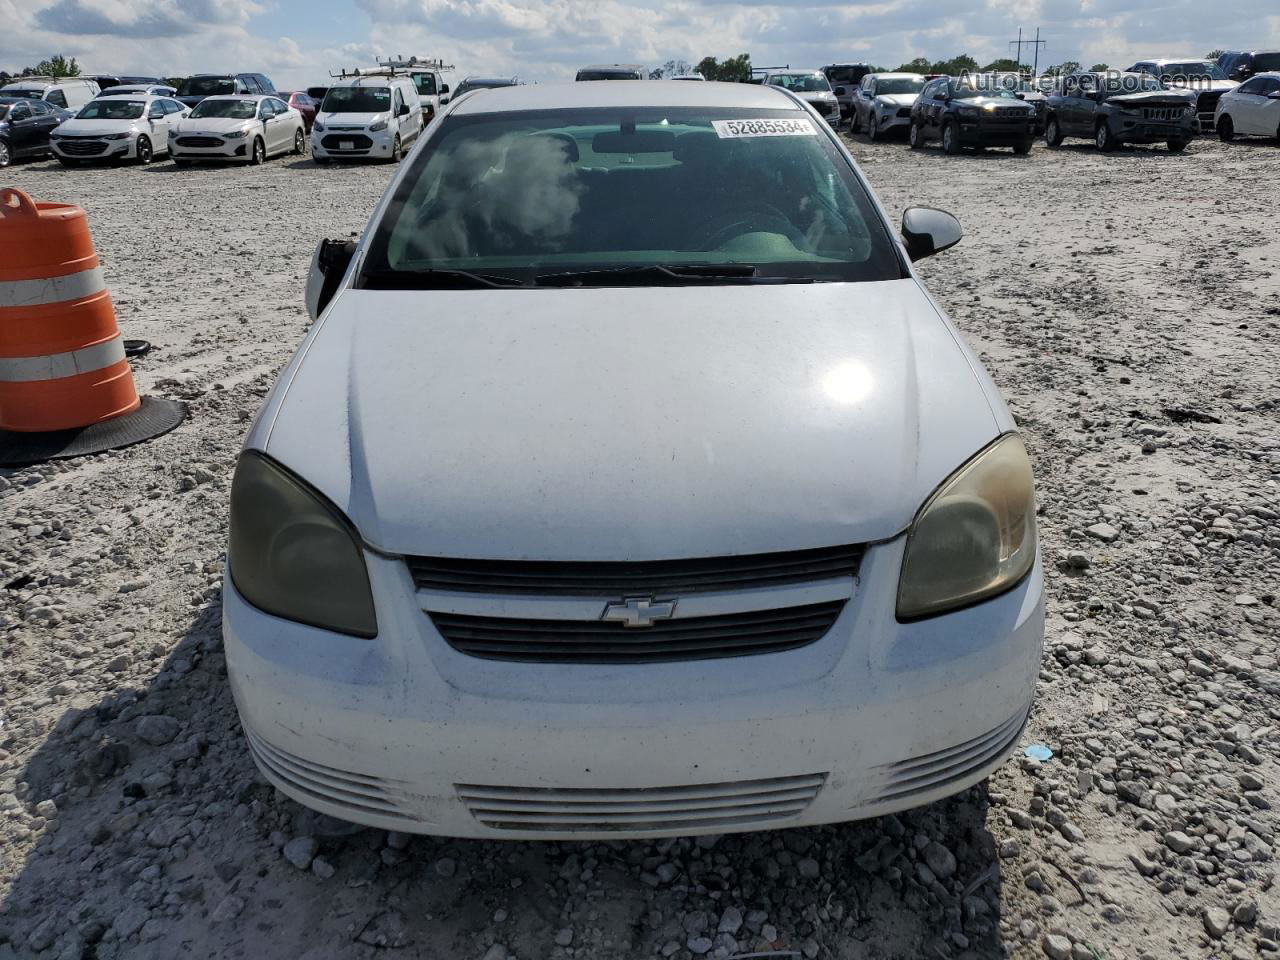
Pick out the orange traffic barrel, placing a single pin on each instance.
(62, 362)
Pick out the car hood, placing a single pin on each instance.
(898, 99)
(89, 127)
(349, 119)
(1209, 86)
(1154, 98)
(211, 124)
(629, 424)
(814, 96)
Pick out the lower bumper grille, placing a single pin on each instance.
(598, 641)
(930, 771)
(702, 806)
(199, 141)
(353, 141)
(359, 793)
(904, 112)
(82, 148)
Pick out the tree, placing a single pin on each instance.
(1214, 54)
(55, 66)
(734, 70)
(1005, 65)
(672, 68)
(1061, 69)
(1099, 68)
(918, 65)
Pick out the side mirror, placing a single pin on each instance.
(1274, 95)
(403, 111)
(328, 266)
(927, 231)
(444, 88)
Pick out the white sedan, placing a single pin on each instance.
(618, 499)
(118, 127)
(1251, 109)
(248, 129)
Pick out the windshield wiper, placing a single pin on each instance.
(434, 279)
(658, 274)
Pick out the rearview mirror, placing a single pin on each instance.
(927, 231)
(328, 266)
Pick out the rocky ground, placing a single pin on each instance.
(1129, 307)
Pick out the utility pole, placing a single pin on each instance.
(1035, 44)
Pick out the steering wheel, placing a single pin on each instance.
(760, 217)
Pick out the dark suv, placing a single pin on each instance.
(970, 113)
(1240, 65)
(194, 89)
(844, 79)
(1115, 108)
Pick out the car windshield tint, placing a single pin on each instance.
(235, 109)
(357, 100)
(1130, 83)
(206, 86)
(1266, 62)
(25, 94)
(523, 197)
(1194, 69)
(802, 82)
(891, 87)
(111, 110)
(843, 75)
(426, 84)
(606, 75)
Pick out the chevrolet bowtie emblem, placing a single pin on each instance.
(639, 611)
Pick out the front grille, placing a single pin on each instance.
(704, 806)
(355, 142)
(603, 641)
(199, 141)
(82, 148)
(930, 771)
(357, 792)
(1162, 113)
(575, 578)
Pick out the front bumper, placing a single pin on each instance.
(897, 117)
(331, 144)
(224, 150)
(405, 733)
(976, 133)
(1139, 131)
(90, 148)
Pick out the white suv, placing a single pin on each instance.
(68, 93)
(374, 116)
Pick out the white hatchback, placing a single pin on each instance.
(248, 129)
(117, 127)
(631, 483)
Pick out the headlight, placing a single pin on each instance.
(975, 537)
(1191, 109)
(318, 126)
(236, 134)
(293, 554)
(117, 136)
(378, 125)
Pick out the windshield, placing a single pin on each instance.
(426, 84)
(608, 75)
(1193, 69)
(898, 85)
(1266, 62)
(801, 82)
(995, 91)
(1129, 83)
(357, 100)
(235, 109)
(111, 110)
(206, 86)
(845, 74)
(524, 197)
(25, 94)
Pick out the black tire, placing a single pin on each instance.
(1176, 146)
(181, 161)
(915, 136)
(854, 125)
(258, 152)
(1022, 147)
(299, 143)
(319, 161)
(873, 128)
(6, 153)
(68, 162)
(951, 138)
(1053, 133)
(1102, 138)
(397, 150)
(1226, 129)
(143, 151)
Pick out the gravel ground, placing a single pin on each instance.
(1128, 305)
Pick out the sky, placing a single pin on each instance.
(297, 42)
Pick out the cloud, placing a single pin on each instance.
(143, 18)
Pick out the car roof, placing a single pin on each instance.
(144, 96)
(794, 72)
(552, 96)
(612, 66)
(239, 96)
(897, 76)
(374, 79)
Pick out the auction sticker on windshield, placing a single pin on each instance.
(732, 129)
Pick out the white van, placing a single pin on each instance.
(69, 93)
(373, 115)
